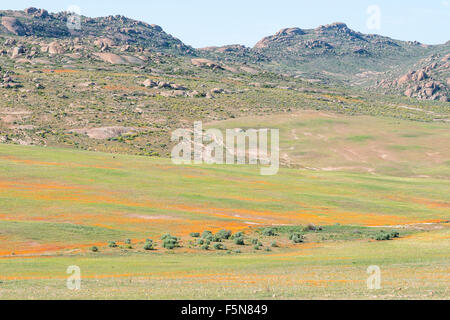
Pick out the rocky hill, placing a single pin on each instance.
(336, 52)
(118, 29)
(429, 79)
(331, 54)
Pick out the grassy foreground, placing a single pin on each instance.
(56, 204)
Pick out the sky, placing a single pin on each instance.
(202, 23)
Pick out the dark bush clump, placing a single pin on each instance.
(112, 244)
(310, 227)
(170, 242)
(224, 234)
(269, 232)
(296, 237)
(94, 249)
(219, 246)
(206, 234)
(149, 245)
(383, 236)
(274, 244)
(239, 241)
(128, 241)
(395, 234)
(195, 235)
(238, 235)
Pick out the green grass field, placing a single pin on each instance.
(56, 204)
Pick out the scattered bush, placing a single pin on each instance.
(205, 247)
(112, 244)
(195, 235)
(94, 249)
(237, 251)
(310, 227)
(128, 241)
(238, 235)
(274, 244)
(296, 237)
(395, 234)
(149, 245)
(239, 241)
(170, 242)
(166, 236)
(268, 249)
(295, 234)
(224, 234)
(383, 236)
(206, 234)
(269, 232)
(200, 242)
(219, 246)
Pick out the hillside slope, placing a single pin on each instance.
(42, 24)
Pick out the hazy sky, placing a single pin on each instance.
(207, 22)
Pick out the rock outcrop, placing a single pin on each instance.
(14, 26)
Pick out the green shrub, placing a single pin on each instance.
(205, 247)
(165, 236)
(219, 246)
(170, 242)
(384, 236)
(274, 244)
(128, 241)
(209, 238)
(296, 237)
(269, 232)
(255, 241)
(224, 234)
(395, 234)
(112, 244)
(268, 249)
(94, 249)
(237, 251)
(149, 245)
(310, 227)
(237, 235)
(195, 235)
(206, 234)
(216, 238)
(239, 241)
(257, 247)
(200, 242)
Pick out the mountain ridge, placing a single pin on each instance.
(331, 53)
